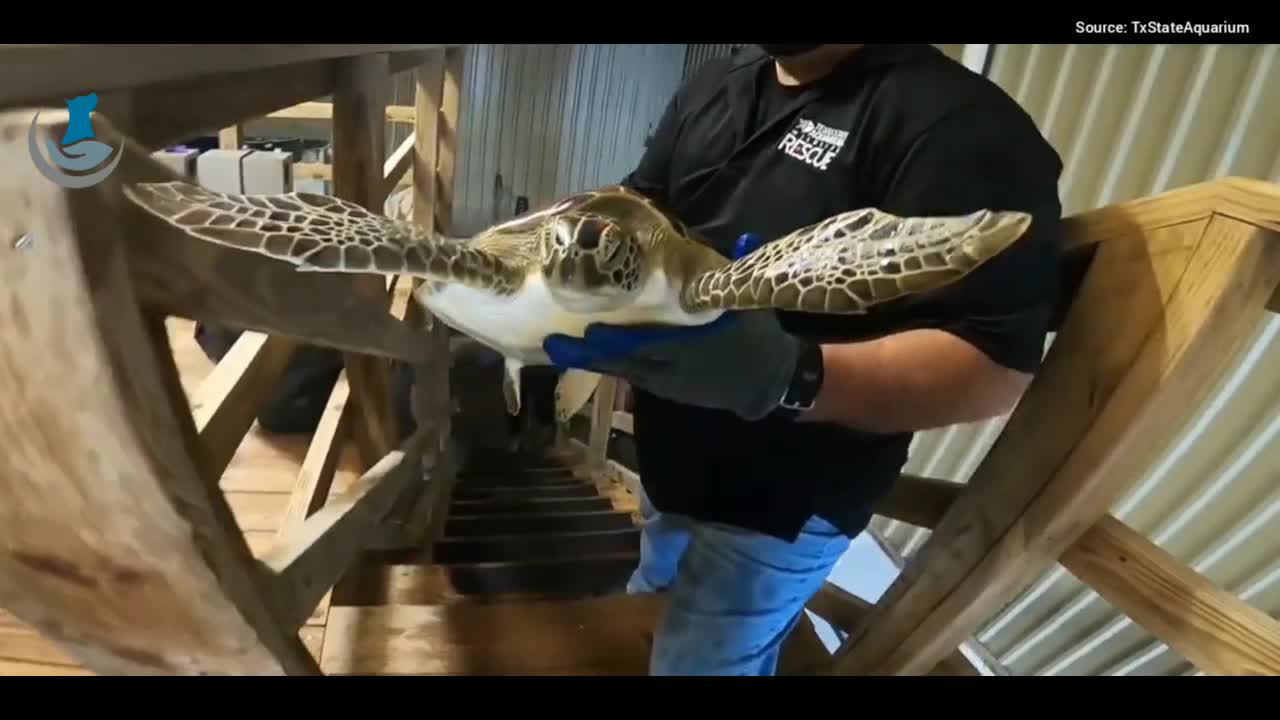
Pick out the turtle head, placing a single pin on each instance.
(591, 263)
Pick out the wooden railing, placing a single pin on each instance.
(119, 543)
(1159, 294)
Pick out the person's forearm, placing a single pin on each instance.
(912, 381)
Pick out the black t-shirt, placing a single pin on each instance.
(899, 127)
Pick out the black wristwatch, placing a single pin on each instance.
(806, 381)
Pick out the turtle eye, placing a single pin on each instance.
(590, 233)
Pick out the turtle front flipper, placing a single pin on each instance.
(855, 260)
(321, 233)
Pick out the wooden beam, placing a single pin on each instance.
(1158, 315)
(320, 464)
(313, 171)
(601, 423)
(397, 165)
(226, 404)
(175, 111)
(310, 560)
(116, 545)
(359, 103)
(314, 110)
(919, 501)
(432, 405)
(410, 59)
(624, 422)
(231, 138)
(844, 610)
(447, 137)
(64, 71)
(1218, 632)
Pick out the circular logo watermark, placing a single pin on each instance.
(77, 153)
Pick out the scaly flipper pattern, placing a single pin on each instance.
(320, 233)
(855, 260)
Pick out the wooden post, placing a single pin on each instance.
(601, 424)
(359, 130)
(437, 101)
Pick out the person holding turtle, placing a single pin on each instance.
(765, 439)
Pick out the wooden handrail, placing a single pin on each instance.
(1218, 632)
(1158, 315)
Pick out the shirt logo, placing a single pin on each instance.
(813, 143)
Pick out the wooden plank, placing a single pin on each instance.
(1159, 315)
(226, 404)
(431, 402)
(601, 424)
(24, 644)
(368, 584)
(410, 59)
(1216, 631)
(41, 71)
(596, 636)
(315, 477)
(117, 546)
(314, 110)
(918, 501)
(257, 511)
(447, 137)
(359, 127)
(398, 164)
(308, 562)
(230, 138)
(18, 668)
(313, 171)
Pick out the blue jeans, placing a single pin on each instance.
(733, 595)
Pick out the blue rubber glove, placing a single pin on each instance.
(741, 362)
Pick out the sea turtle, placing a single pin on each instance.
(607, 255)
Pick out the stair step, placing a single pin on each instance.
(596, 636)
(563, 490)
(513, 523)
(536, 506)
(518, 548)
(372, 584)
(517, 479)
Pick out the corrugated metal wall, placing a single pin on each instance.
(702, 52)
(1132, 121)
(543, 121)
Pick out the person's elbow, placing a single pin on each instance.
(995, 391)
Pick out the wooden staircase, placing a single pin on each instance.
(527, 578)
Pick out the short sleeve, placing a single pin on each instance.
(990, 158)
(652, 175)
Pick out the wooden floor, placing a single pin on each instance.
(257, 484)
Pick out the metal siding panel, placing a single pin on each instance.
(554, 119)
(1130, 122)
